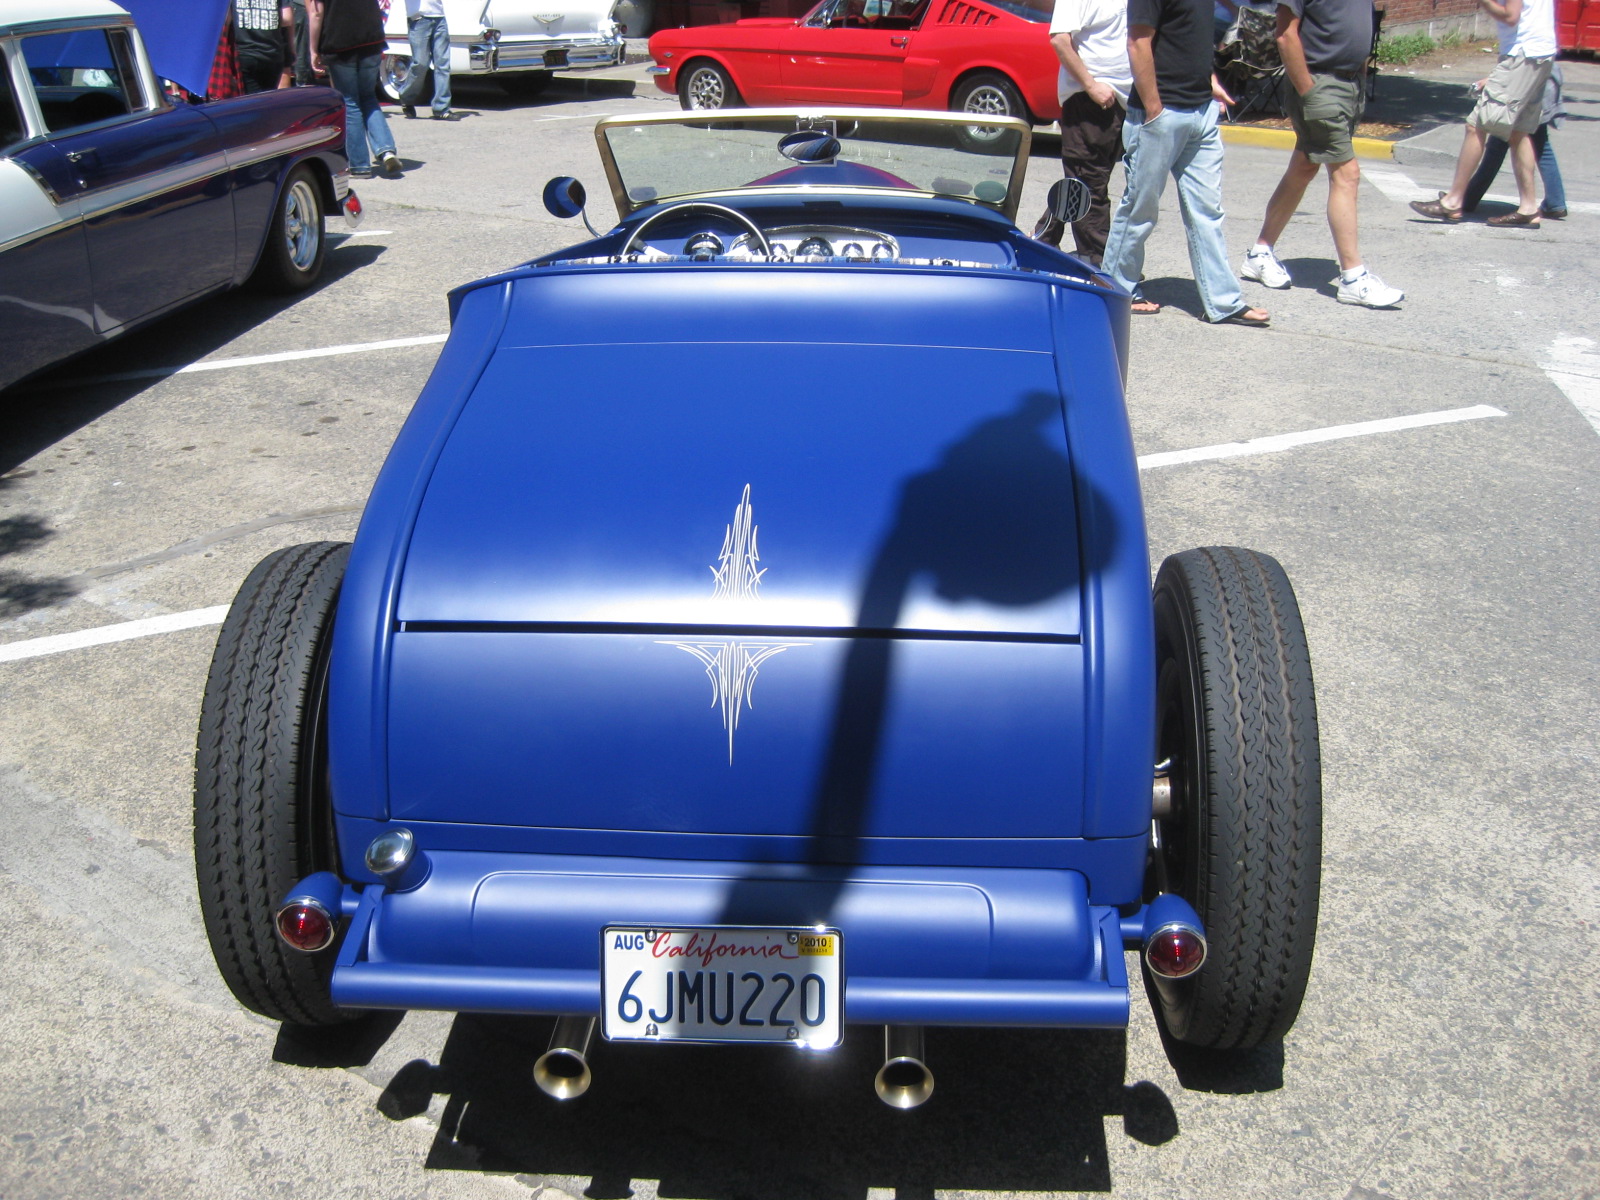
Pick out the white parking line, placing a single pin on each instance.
(254, 360)
(1331, 433)
(104, 634)
(1574, 367)
(127, 630)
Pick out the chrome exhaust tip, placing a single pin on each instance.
(562, 1071)
(904, 1080)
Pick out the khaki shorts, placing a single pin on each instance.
(1513, 98)
(1325, 118)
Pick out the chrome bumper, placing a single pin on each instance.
(546, 54)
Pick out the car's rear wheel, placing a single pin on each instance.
(526, 85)
(296, 245)
(1237, 722)
(705, 85)
(262, 816)
(989, 94)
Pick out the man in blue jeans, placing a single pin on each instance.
(346, 41)
(430, 48)
(1171, 128)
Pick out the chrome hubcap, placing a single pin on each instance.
(301, 229)
(990, 101)
(705, 90)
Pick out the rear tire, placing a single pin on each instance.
(1237, 717)
(262, 816)
(993, 95)
(297, 243)
(705, 86)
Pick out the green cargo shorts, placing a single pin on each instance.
(1325, 118)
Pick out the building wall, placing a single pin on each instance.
(1437, 18)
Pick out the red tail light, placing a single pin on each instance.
(305, 925)
(1175, 951)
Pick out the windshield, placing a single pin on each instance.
(655, 158)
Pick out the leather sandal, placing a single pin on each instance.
(1436, 210)
(1514, 218)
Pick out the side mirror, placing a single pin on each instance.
(809, 146)
(1069, 200)
(564, 197)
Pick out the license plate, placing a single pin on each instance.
(555, 58)
(723, 984)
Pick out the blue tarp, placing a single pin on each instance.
(181, 36)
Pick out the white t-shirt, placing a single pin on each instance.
(1099, 30)
(1534, 36)
(424, 8)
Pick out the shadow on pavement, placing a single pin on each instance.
(1013, 1110)
(41, 411)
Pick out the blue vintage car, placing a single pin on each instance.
(120, 203)
(751, 636)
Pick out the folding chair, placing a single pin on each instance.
(1249, 67)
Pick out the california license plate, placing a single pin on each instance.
(723, 984)
(555, 58)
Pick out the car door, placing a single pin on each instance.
(847, 52)
(149, 177)
(46, 296)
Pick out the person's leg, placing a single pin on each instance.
(1344, 184)
(1103, 138)
(1555, 193)
(1525, 165)
(1494, 156)
(372, 115)
(1471, 155)
(1286, 197)
(342, 74)
(440, 53)
(1075, 148)
(1198, 169)
(1150, 148)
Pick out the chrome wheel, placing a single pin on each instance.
(989, 100)
(302, 224)
(394, 77)
(707, 86)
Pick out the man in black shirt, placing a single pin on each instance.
(1171, 128)
(259, 42)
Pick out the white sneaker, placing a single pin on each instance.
(1263, 267)
(1367, 289)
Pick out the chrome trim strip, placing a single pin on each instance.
(36, 234)
(103, 201)
(44, 186)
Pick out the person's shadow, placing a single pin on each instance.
(993, 523)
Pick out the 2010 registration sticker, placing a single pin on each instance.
(723, 984)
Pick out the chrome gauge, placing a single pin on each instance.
(810, 243)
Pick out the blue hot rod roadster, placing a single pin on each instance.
(799, 669)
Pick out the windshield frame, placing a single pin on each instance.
(626, 206)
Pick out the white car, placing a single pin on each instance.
(520, 42)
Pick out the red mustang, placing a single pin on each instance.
(982, 56)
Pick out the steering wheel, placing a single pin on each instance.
(755, 230)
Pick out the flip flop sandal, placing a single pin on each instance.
(1242, 317)
(1149, 308)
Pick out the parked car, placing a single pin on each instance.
(119, 204)
(814, 684)
(520, 43)
(983, 56)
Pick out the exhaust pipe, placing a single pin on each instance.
(563, 1070)
(904, 1080)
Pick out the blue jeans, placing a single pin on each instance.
(356, 77)
(430, 45)
(1494, 155)
(1184, 143)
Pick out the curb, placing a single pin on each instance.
(1283, 139)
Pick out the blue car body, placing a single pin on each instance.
(119, 204)
(931, 719)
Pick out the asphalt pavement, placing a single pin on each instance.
(1427, 475)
